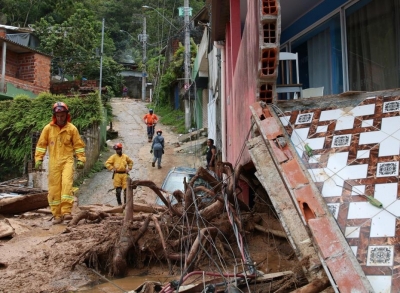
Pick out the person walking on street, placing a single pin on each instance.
(124, 91)
(120, 164)
(157, 149)
(151, 120)
(211, 154)
(63, 141)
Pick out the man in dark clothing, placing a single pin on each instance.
(211, 154)
(158, 148)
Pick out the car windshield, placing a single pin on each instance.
(175, 181)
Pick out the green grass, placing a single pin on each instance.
(170, 117)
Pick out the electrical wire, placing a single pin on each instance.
(199, 218)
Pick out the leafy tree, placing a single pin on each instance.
(24, 12)
(70, 30)
(111, 74)
(174, 71)
(74, 42)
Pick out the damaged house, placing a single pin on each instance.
(303, 94)
(24, 70)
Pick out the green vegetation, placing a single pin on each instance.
(71, 30)
(170, 117)
(173, 71)
(23, 116)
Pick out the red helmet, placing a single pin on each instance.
(159, 131)
(117, 146)
(60, 107)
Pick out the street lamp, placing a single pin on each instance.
(149, 7)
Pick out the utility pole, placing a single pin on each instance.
(187, 65)
(144, 39)
(101, 59)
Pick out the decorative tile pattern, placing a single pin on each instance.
(391, 106)
(341, 140)
(334, 209)
(387, 169)
(355, 155)
(304, 118)
(380, 256)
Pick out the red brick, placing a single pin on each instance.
(269, 32)
(269, 7)
(268, 62)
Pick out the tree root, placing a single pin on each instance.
(91, 216)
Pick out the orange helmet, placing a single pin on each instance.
(60, 107)
(159, 131)
(117, 146)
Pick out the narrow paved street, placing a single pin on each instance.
(131, 129)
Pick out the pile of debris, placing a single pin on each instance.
(16, 198)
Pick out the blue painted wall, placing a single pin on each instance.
(310, 18)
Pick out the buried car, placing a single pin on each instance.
(174, 181)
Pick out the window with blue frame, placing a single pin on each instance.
(373, 42)
(320, 57)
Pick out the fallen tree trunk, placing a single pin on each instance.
(126, 239)
(22, 204)
(137, 208)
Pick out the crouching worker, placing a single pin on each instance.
(120, 164)
(63, 141)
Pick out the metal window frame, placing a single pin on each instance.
(343, 35)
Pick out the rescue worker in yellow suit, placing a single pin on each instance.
(63, 141)
(120, 164)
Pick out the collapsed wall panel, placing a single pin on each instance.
(337, 257)
(270, 178)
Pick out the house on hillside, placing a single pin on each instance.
(329, 72)
(27, 71)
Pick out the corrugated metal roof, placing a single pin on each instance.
(19, 48)
(16, 28)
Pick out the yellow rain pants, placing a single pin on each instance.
(120, 164)
(63, 144)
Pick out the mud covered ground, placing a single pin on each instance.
(41, 257)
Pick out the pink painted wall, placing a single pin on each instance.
(241, 79)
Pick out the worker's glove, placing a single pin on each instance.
(80, 165)
(38, 165)
(151, 151)
(163, 151)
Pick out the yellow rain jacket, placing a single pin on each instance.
(62, 143)
(120, 164)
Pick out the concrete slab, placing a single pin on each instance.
(194, 135)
